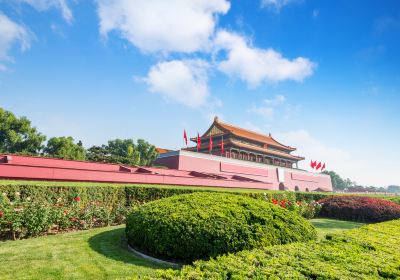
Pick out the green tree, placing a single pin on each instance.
(148, 153)
(98, 153)
(65, 148)
(18, 136)
(338, 183)
(124, 151)
(393, 189)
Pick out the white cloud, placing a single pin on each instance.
(162, 26)
(251, 126)
(267, 108)
(11, 33)
(312, 149)
(277, 100)
(182, 81)
(43, 5)
(315, 13)
(255, 66)
(276, 5)
(380, 170)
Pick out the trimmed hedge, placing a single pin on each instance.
(202, 225)
(395, 199)
(370, 252)
(27, 211)
(359, 209)
(101, 204)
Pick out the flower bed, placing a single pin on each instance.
(370, 252)
(22, 218)
(304, 208)
(359, 209)
(110, 200)
(57, 207)
(202, 225)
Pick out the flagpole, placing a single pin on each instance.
(222, 146)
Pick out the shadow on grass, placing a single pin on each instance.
(334, 224)
(112, 244)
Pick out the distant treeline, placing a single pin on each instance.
(347, 185)
(18, 136)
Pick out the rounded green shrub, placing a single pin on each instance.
(202, 225)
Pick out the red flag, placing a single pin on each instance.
(323, 167)
(222, 146)
(210, 144)
(185, 136)
(312, 164)
(318, 166)
(198, 142)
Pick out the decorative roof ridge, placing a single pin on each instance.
(289, 147)
(218, 121)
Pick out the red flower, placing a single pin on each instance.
(274, 201)
(77, 198)
(1, 214)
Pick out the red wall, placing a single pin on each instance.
(185, 168)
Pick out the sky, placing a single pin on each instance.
(321, 76)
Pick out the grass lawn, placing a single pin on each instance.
(326, 226)
(92, 254)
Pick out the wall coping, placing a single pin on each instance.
(237, 162)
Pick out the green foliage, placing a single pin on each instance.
(328, 226)
(395, 199)
(108, 203)
(148, 152)
(337, 182)
(305, 209)
(97, 154)
(65, 148)
(124, 151)
(27, 211)
(18, 136)
(393, 189)
(99, 253)
(202, 225)
(370, 252)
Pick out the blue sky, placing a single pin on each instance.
(320, 76)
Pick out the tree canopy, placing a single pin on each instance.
(124, 151)
(65, 148)
(394, 189)
(18, 136)
(337, 182)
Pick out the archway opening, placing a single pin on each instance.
(281, 187)
(296, 189)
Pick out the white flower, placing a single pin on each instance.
(28, 198)
(17, 194)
